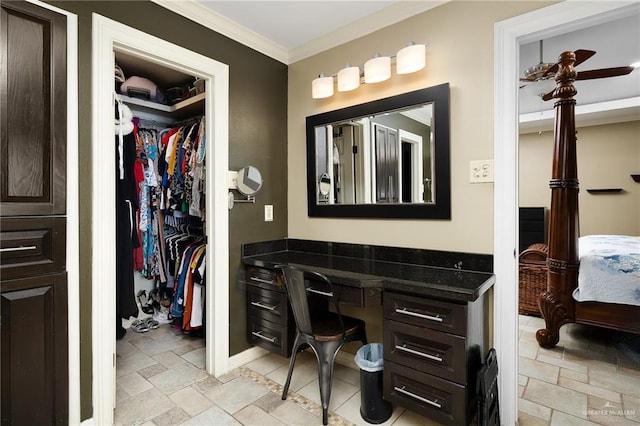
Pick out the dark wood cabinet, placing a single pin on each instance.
(33, 283)
(270, 323)
(34, 351)
(433, 350)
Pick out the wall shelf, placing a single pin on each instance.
(636, 178)
(188, 108)
(604, 190)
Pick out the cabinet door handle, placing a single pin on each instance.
(262, 280)
(263, 306)
(21, 248)
(418, 397)
(405, 311)
(404, 348)
(323, 293)
(263, 337)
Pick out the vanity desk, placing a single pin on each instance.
(434, 304)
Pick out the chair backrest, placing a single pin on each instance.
(298, 295)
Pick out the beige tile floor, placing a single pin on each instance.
(587, 379)
(161, 381)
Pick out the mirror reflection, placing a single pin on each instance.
(384, 158)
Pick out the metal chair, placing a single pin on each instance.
(324, 331)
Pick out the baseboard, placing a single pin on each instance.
(87, 422)
(240, 359)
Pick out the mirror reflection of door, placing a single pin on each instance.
(386, 164)
(348, 164)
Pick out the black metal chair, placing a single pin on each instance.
(324, 331)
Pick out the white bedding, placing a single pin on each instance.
(609, 269)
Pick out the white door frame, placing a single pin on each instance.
(107, 35)
(508, 36)
(417, 191)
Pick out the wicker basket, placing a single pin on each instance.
(532, 278)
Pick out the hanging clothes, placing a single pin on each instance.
(126, 213)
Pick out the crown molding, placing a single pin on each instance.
(383, 18)
(213, 20)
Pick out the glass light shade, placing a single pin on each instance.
(541, 86)
(348, 79)
(410, 59)
(377, 69)
(322, 87)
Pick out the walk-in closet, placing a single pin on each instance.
(184, 217)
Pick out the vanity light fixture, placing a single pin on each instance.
(348, 78)
(409, 59)
(377, 69)
(322, 87)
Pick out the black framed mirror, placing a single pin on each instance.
(388, 158)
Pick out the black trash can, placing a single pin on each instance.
(373, 408)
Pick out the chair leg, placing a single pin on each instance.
(292, 362)
(326, 357)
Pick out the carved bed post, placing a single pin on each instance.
(557, 304)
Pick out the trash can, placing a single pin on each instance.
(373, 408)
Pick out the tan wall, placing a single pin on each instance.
(459, 51)
(607, 156)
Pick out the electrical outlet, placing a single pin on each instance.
(481, 171)
(268, 213)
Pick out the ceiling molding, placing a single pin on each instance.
(383, 18)
(208, 18)
(616, 111)
(217, 22)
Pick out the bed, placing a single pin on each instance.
(557, 304)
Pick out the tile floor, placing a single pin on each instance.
(589, 378)
(161, 381)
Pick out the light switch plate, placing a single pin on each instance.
(232, 179)
(481, 171)
(268, 213)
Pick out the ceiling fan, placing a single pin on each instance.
(540, 79)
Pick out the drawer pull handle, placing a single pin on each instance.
(21, 248)
(263, 306)
(323, 293)
(404, 348)
(263, 337)
(405, 311)
(418, 397)
(262, 280)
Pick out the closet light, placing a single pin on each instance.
(377, 69)
(348, 78)
(322, 87)
(411, 58)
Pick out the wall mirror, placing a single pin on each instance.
(387, 158)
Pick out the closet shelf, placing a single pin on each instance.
(190, 107)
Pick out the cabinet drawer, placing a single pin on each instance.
(429, 313)
(32, 246)
(434, 352)
(271, 336)
(264, 278)
(435, 398)
(268, 304)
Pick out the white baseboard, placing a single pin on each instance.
(240, 359)
(88, 422)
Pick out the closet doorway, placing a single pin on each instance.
(109, 37)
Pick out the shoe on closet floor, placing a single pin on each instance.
(139, 326)
(162, 317)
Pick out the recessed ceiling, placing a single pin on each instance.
(291, 24)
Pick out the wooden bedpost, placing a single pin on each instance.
(556, 304)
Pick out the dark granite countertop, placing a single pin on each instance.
(432, 281)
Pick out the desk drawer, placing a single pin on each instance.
(268, 304)
(32, 246)
(424, 312)
(430, 396)
(434, 352)
(264, 278)
(271, 336)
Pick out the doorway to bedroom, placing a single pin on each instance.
(593, 373)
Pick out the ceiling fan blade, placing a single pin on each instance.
(552, 70)
(549, 95)
(603, 73)
(582, 55)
